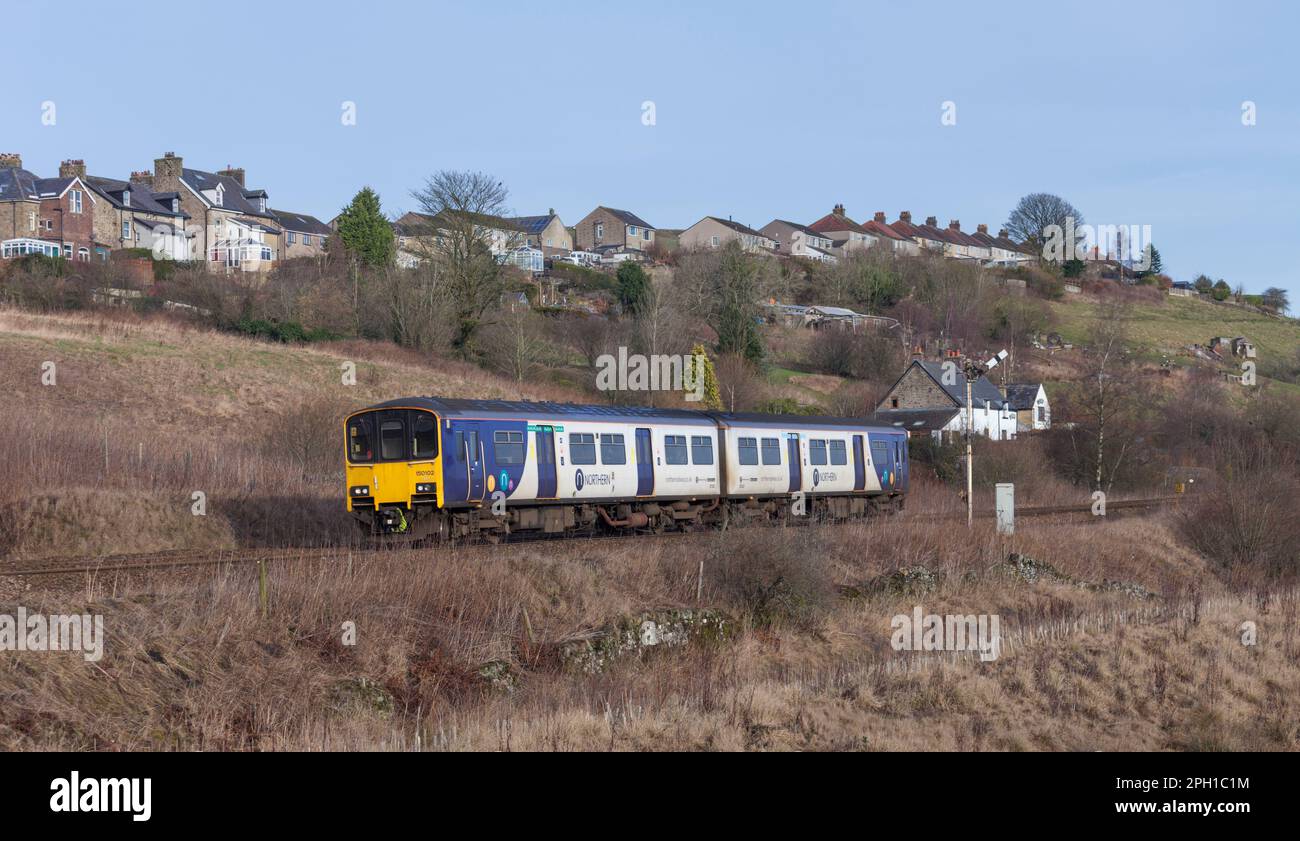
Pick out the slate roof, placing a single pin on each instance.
(17, 184)
(142, 198)
(984, 394)
(235, 195)
(628, 218)
(1021, 396)
(917, 420)
(301, 223)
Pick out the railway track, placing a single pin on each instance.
(181, 559)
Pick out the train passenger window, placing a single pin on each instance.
(508, 447)
(675, 449)
(392, 440)
(816, 451)
(701, 449)
(361, 439)
(839, 453)
(424, 435)
(582, 448)
(771, 451)
(612, 449)
(747, 449)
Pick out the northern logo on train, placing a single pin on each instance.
(577, 480)
(817, 477)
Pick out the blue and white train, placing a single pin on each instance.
(437, 467)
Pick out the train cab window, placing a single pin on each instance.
(839, 453)
(675, 449)
(771, 451)
(392, 440)
(817, 451)
(612, 449)
(424, 435)
(701, 449)
(747, 450)
(361, 439)
(880, 453)
(508, 447)
(582, 448)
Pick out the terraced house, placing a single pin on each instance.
(235, 229)
(301, 235)
(50, 216)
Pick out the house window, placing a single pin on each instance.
(83, 254)
(293, 238)
(631, 230)
(126, 198)
(266, 253)
(1042, 414)
(76, 201)
(600, 231)
(701, 449)
(893, 402)
(647, 235)
(714, 241)
(747, 450)
(176, 205)
(31, 220)
(67, 251)
(126, 230)
(220, 196)
(771, 451)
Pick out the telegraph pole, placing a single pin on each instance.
(973, 371)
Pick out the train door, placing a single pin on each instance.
(645, 468)
(468, 444)
(900, 463)
(392, 478)
(882, 457)
(545, 440)
(796, 469)
(859, 465)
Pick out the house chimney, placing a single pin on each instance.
(932, 222)
(143, 178)
(550, 211)
(167, 173)
(905, 216)
(11, 159)
(1002, 233)
(236, 173)
(72, 169)
(983, 229)
(880, 216)
(954, 225)
(838, 210)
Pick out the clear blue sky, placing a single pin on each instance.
(1132, 111)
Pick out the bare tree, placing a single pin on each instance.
(469, 240)
(1106, 399)
(1036, 212)
(518, 344)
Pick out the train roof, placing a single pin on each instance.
(452, 407)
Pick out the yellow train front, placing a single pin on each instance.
(394, 469)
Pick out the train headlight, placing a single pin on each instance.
(424, 488)
(361, 490)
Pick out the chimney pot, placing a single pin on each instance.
(932, 222)
(11, 159)
(954, 225)
(983, 229)
(838, 210)
(905, 216)
(1002, 233)
(880, 216)
(236, 173)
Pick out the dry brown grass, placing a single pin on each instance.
(191, 664)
